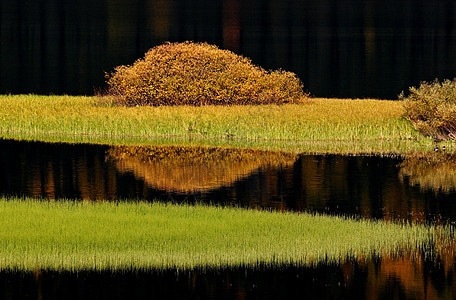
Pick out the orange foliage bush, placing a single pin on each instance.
(432, 108)
(199, 74)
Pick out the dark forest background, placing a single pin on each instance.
(339, 48)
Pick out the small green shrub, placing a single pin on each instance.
(432, 108)
(198, 74)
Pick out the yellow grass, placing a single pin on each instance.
(321, 125)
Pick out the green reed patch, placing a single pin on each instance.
(136, 235)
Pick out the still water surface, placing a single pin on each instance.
(371, 187)
(372, 280)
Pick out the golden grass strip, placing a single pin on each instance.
(366, 125)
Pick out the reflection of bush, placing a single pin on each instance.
(435, 171)
(189, 169)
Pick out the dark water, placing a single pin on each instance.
(365, 186)
(341, 48)
(373, 280)
(371, 187)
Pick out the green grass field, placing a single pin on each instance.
(320, 126)
(75, 236)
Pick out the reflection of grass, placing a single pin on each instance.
(105, 235)
(378, 124)
(434, 171)
(188, 169)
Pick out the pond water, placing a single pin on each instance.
(368, 186)
(373, 280)
(339, 48)
(416, 188)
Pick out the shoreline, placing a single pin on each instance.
(323, 126)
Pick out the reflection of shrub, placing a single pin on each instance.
(189, 169)
(434, 171)
(198, 74)
(432, 108)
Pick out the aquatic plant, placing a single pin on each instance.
(199, 74)
(72, 235)
(432, 108)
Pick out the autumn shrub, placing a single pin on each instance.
(198, 74)
(432, 108)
